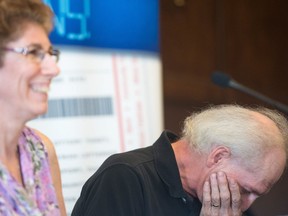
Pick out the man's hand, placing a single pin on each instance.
(221, 196)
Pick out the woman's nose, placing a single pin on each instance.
(49, 66)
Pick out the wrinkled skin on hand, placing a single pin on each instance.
(221, 196)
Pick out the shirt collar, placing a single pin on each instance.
(166, 164)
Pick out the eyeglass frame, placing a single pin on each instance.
(39, 55)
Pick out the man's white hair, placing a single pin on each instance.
(237, 128)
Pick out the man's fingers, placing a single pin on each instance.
(235, 195)
(206, 199)
(224, 190)
(206, 194)
(215, 194)
(221, 196)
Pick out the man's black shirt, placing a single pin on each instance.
(142, 182)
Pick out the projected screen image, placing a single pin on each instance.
(126, 24)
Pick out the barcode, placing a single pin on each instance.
(71, 107)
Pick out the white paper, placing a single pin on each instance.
(102, 103)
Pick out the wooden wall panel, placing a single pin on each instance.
(187, 51)
(255, 46)
(246, 39)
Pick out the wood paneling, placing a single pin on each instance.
(246, 39)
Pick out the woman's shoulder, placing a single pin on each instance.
(40, 141)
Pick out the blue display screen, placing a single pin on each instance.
(116, 24)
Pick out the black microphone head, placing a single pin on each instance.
(221, 79)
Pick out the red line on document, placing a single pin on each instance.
(118, 103)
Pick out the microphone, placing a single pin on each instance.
(224, 80)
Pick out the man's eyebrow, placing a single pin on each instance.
(257, 192)
(268, 185)
(253, 191)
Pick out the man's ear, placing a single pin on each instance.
(217, 155)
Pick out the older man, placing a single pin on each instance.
(227, 157)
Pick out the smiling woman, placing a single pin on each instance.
(30, 182)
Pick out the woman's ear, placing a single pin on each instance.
(217, 155)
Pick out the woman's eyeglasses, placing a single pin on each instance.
(35, 53)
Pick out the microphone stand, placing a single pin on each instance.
(278, 105)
